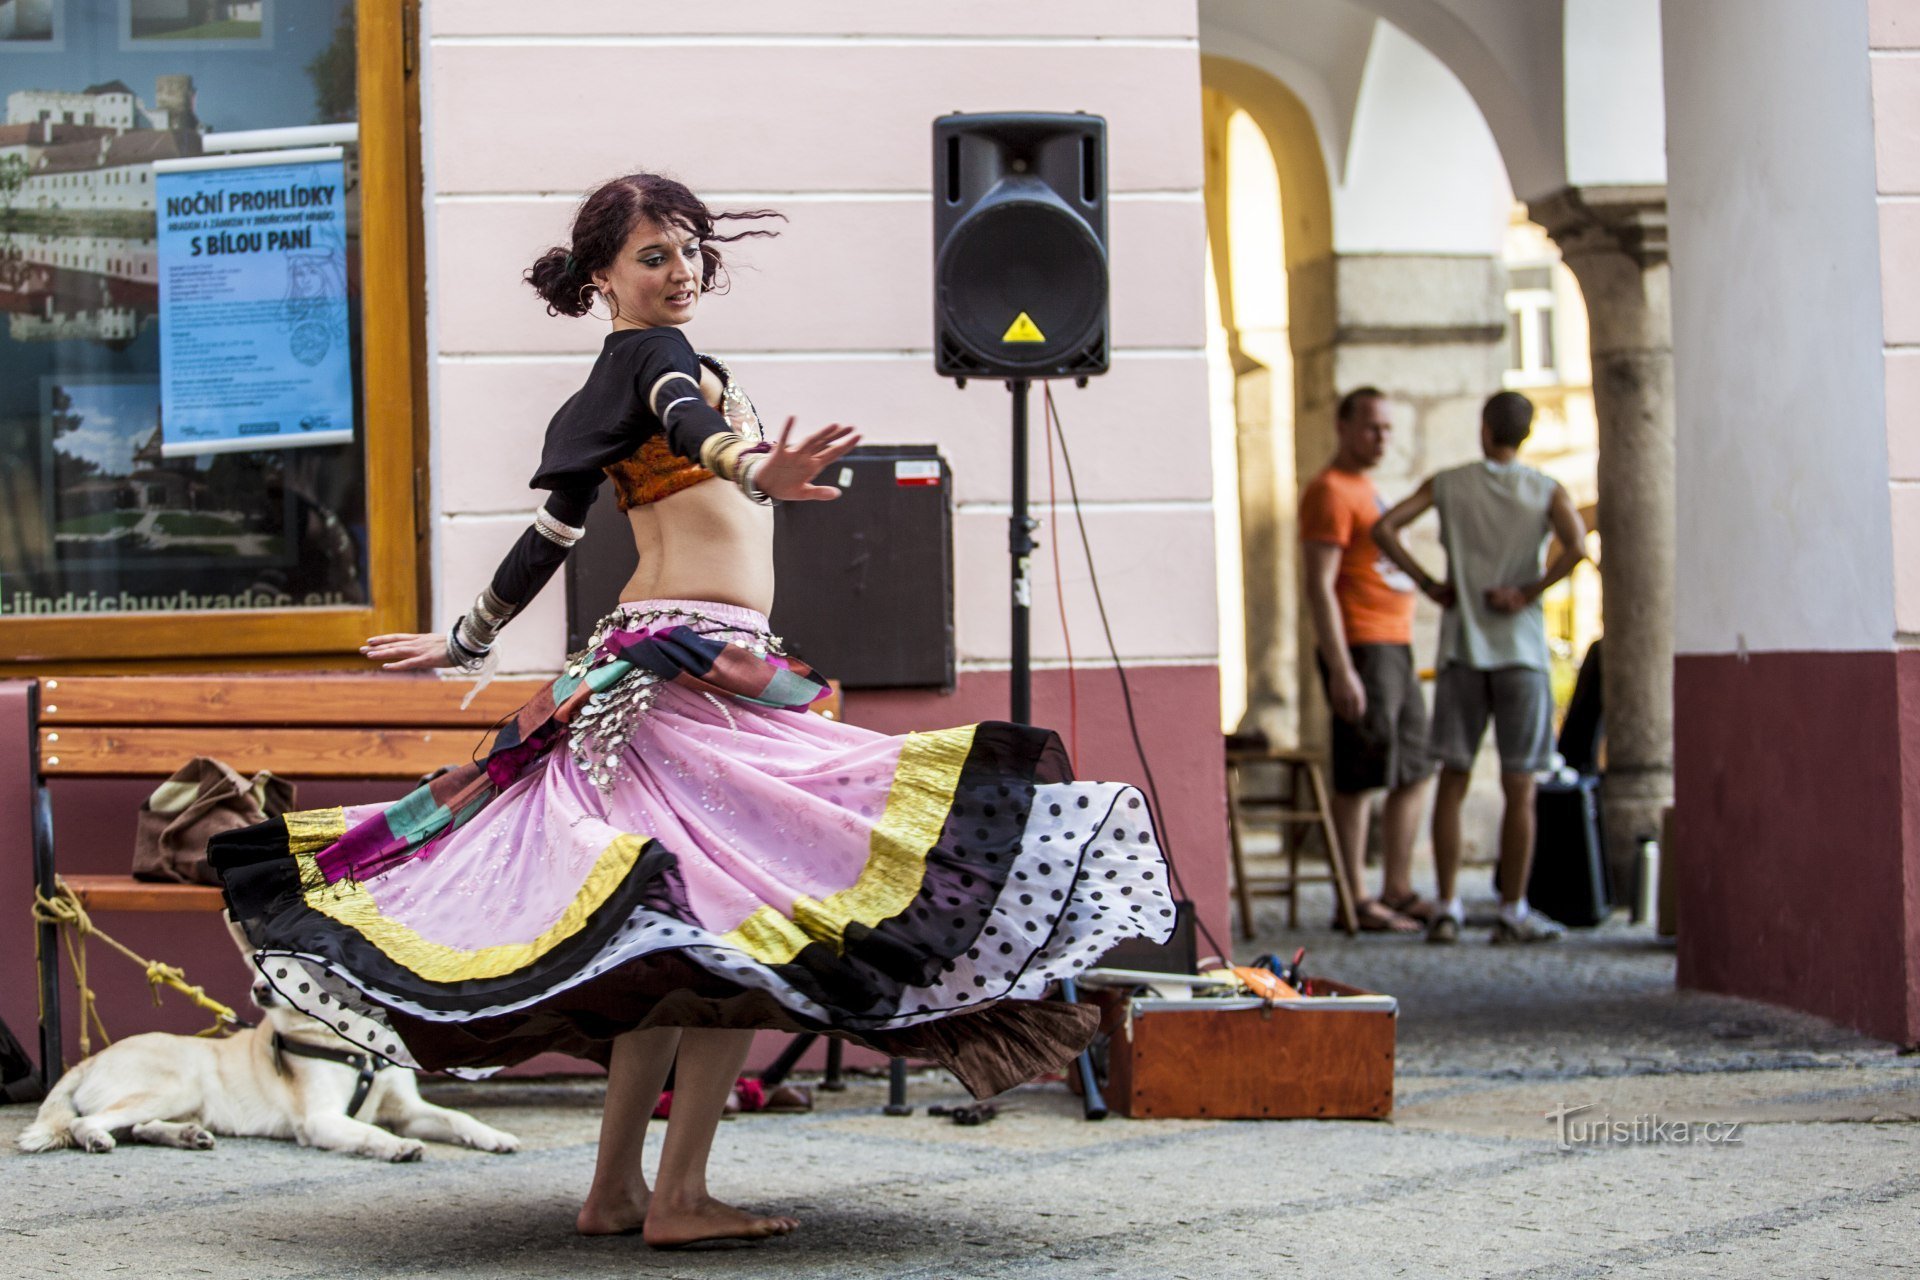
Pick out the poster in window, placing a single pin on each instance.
(254, 344)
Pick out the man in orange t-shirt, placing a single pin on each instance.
(1362, 608)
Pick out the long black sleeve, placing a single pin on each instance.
(542, 547)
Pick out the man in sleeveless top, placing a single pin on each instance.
(1362, 609)
(1495, 515)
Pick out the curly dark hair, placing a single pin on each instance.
(563, 275)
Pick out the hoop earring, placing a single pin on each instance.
(586, 304)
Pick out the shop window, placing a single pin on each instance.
(206, 354)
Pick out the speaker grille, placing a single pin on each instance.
(1023, 258)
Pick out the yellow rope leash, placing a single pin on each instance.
(64, 909)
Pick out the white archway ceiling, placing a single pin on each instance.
(1317, 48)
(1423, 174)
(1411, 164)
(1570, 90)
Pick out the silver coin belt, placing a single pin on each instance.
(601, 730)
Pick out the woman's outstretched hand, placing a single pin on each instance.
(787, 473)
(408, 652)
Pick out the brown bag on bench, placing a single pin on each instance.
(203, 798)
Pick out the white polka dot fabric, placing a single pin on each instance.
(1089, 874)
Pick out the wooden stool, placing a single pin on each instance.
(1297, 808)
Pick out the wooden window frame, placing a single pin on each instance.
(393, 411)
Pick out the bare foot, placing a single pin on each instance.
(614, 1217)
(671, 1226)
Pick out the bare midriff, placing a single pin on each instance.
(705, 542)
(708, 542)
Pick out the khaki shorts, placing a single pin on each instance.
(1388, 748)
(1520, 701)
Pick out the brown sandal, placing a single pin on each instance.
(1374, 916)
(1413, 907)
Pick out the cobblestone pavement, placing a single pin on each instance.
(1598, 1002)
(1821, 1177)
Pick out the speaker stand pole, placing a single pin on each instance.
(1020, 547)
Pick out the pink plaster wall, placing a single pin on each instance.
(1893, 24)
(851, 116)
(1903, 415)
(1894, 34)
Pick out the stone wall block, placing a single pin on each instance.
(1311, 305)
(1422, 296)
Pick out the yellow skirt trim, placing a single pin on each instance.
(916, 813)
(351, 905)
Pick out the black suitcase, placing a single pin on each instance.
(1569, 877)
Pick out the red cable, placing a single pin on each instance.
(1059, 588)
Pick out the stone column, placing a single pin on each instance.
(1615, 241)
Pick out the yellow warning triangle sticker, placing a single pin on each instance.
(1023, 329)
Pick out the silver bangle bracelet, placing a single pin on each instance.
(460, 654)
(484, 620)
(753, 491)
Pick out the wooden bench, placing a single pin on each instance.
(376, 727)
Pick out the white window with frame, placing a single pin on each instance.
(1530, 354)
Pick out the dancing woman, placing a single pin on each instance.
(662, 852)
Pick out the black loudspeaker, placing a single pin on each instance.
(1020, 245)
(865, 591)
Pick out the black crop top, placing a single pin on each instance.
(606, 420)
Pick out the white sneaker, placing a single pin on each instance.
(1532, 927)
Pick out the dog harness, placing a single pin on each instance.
(365, 1063)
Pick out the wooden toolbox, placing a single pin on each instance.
(1319, 1057)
